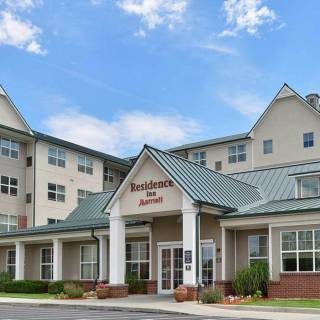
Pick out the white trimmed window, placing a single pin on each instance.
(308, 140)
(122, 176)
(9, 148)
(56, 192)
(258, 249)
(137, 259)
(108, 175)
(46, 264)
(207, 264)
(8, 223)
(85, 165)
(88, 262)
(237, 153)
(9, 185)
(82, 194)
(53, 220)
(56, 157)
(200, 157)
(11, 262)
(300, 251)
(308, 187)
(267, 146)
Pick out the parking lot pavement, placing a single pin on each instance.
(55, 313)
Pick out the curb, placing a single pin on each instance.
(268, 309)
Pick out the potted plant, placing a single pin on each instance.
(180, 294)
(102, 291)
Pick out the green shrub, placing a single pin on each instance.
(252, 279)
(26, 286)
(211, 295)
(74, 293)
(135, 284)
(4, 277)
(56, 287)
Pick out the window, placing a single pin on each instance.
(9, 185)
(300, 250)
(82, 194)
(28, 197)
(122, 176)
(85, 165)
(9, 148)
(8, 223)
(207, 272)
(267, 147)
(88, 262)
(258, 249)
(308, 140)
(56, 192)
(53, 220)
(108, 174)
(218, 165)
(137, 259)
(29, 161)
(56, 157)
(200, 158)
(11, 262)
(308, 187)
(46, 264)
(237, 153)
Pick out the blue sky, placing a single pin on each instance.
(114, 74)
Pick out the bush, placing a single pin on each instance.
(252, 279)
(211, 295)
(73, 289)
(26, 286)
(135, 284)
(74, 293)
(4, 277)
(56, 287)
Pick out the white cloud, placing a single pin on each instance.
(140, 33)
(154, 13)
(246, 15)
(18, 33)
(124, 135)
(217, 48)
(250, 105)
(22, 4)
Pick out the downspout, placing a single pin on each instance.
(198, 234)
(98, 257)
(34, 182)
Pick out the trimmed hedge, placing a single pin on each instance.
(4, 277)
(56, 287)
(26, 286)
(135, 284)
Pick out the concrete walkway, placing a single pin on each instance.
(166, 304)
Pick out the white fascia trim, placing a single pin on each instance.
(169, 243)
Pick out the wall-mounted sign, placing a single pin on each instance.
(188, 256)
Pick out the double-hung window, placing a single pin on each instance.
(237, 153)
(137, 259)
(9, 148)
(267, 146)
(82, 194)
(8, 223)
(85, 165)
(200, 157)
(56, 157)
(46, 264)
(108, 175)
(300, 250)
(11, 262)
(308, 187)
(308, 140)
(56, 192)
(258, 249)
(9, 185)
(88, 262)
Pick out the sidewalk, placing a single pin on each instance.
(164, 304)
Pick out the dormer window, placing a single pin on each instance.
(308, 187)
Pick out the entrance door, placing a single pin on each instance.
(171, 268)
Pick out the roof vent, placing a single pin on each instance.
(313, 99)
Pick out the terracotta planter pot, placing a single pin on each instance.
(180, 294)
(102, 293)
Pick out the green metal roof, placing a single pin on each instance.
(204, 143)
(278, 207)
(76, 147)
(204, 185)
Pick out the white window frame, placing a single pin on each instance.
(258, 258)
(265, 148)
(108, 175)
(80, 198)
(299, 188)
(10, 148)
(86, 164)
(9, 185)
(92, 263)
(8, 223)
(139, 261)
(54, 219)
(297, 251)
(200, 157)
(57, 157)
(56, 192)
(208, 243)
(237, 153)
(46, 263)
(308, 141)
(11, 264)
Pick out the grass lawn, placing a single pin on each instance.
(285, 303)
(27, 295)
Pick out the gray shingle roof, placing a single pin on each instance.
(204, 185)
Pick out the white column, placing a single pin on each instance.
(20, 257)
(103, 256)
(190, 245)
(57, 259)
(117, 250)
(270, 251)
(223, 253)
